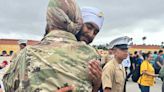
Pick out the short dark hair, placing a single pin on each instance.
(24, 44)
(160, 51)
(11, 52)
(155, 52)
(4, 52)
(147, 55)
(135, 52)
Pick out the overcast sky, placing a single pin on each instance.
(25, 19)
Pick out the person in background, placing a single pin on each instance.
(3, 64)
(4, 53)
(138, 60)
(126, 64)
(11, 53)
(133, 59)
(161, 75)
(158, 64)
(22, 45)
(113, 74)
(154, 57)
(141, 54)
(147, 74)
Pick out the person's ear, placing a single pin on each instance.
(114, 51)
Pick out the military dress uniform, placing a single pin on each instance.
(113, 75)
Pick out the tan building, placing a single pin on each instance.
(133, 48)
(9, 45)
(145, 48)
(12, 45)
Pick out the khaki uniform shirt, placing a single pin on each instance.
(113, 76)
(59, 60)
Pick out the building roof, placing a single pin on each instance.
(145, 46)
(15, 42)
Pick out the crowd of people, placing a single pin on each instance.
(145, 67)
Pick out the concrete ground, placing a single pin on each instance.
(133, 87)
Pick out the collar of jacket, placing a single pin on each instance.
(60, 35)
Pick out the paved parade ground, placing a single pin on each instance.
(133, 87)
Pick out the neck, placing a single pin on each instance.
(118, 60)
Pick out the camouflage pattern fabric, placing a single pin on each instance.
(64, 15)
(59, 60)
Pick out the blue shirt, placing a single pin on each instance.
(160, 60)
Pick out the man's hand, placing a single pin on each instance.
(156, 75)
(65, 89)
(95, 72)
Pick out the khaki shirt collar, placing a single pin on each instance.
(120, 66)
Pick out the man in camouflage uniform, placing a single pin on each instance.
(59, 59)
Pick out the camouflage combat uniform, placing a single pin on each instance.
(57, 61)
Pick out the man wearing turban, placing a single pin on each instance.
(61, 58)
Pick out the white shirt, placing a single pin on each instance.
(126, 62)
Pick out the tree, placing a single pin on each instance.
(143, 39)
(162, 44)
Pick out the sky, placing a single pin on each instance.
(26, 19)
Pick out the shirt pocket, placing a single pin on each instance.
(119, 77)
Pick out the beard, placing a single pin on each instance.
(82, 36)
(78, 35)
